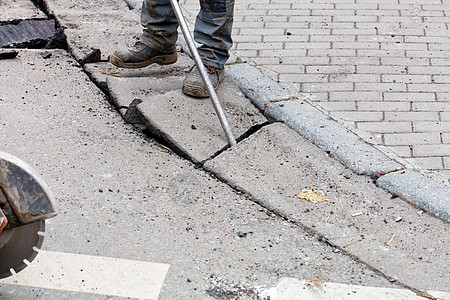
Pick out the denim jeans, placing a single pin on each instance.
(212, 28)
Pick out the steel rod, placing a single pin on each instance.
(203, 74)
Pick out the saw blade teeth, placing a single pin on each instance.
(21, 248)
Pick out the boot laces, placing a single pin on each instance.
(212, 70)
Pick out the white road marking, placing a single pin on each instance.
(292, 289)
(92, 274)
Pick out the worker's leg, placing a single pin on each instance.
(157, 43)
(213, 31)
(160, 25)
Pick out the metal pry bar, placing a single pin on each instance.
(203, 74)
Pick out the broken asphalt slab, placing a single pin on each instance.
(275, 164)
(189, 125)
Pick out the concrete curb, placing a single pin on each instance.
(418, 189)
(345, 146)
(260, 89)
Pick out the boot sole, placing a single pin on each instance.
(160, 60)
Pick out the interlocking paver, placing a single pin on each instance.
(382, 65)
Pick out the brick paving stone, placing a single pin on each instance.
(355, 61)
(332, 52)
(331, 69)
(304, 78)
(427, 106)
(284, 38)
(386, 26)
(445, 117)
(356, 96)
(446, 139)
(431, 150)
(402, 151)
(308, 45)
(409, 97)
(406, 78)
(308, 60)
(367, 69)
(338, 106)
(430, 163)
(413, 138)
(447, 164)
(436, 88)
(382, 64)
(411, 116)
(377, 12)
(370, 86)
(281, 52)
(444, 97)
(384, 106)
(320, 87)
(355, 45)
(431, 126)
(431, 54)
(382, 53)
(358, 116)
(440, 62)
(405, 46)
(332, 38)
(339, 77)
(385, 127)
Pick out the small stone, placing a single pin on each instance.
(46, 55)
(241, 234)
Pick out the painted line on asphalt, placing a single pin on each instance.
(92, 274)
(291, 288)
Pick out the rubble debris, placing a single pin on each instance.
(390, 240)
(46, 55)
(429, 297)
(241, 234)
(131, 115)
(57, 41)
(360, 239)
(8, 54)
(94, 56)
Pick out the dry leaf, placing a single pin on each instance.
(312, 196)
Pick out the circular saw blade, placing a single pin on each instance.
(17, 244)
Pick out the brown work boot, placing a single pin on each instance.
(193, 84)
(141, 55)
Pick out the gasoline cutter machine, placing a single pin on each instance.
(25, 203)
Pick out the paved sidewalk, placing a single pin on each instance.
(335, 65)
(379, 67)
